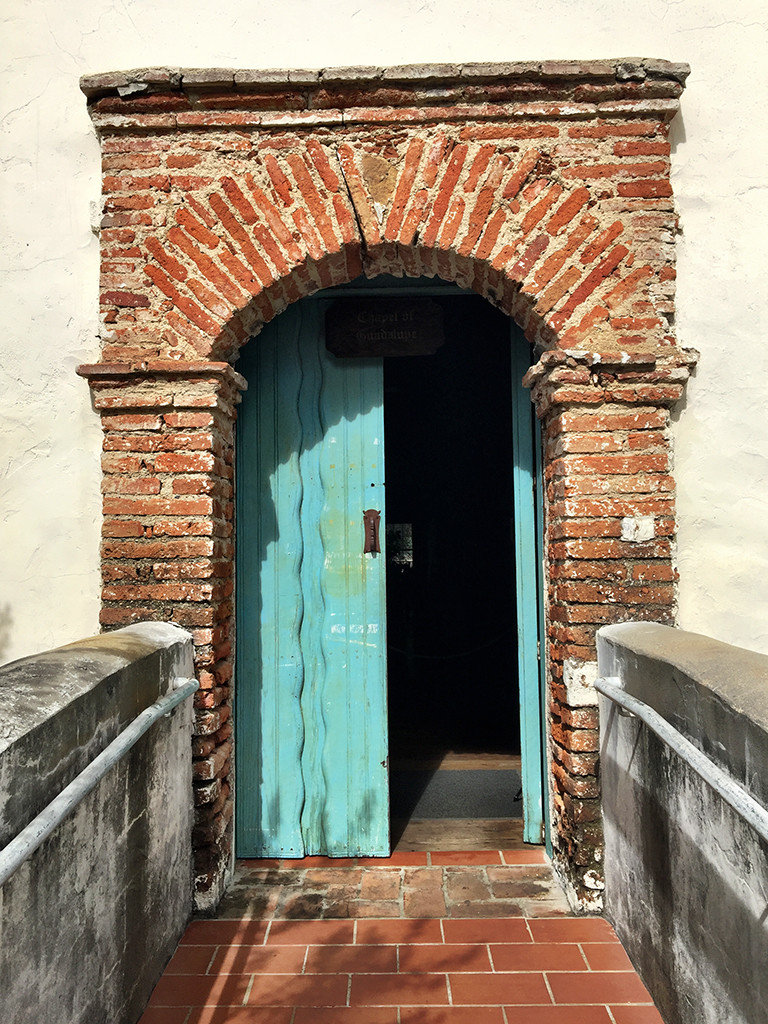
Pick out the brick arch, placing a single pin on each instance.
(543, 187)
(497, 216)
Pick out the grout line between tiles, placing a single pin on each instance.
(584, 956)
(211, 961)
(549, 988)
(247, 993)
(490, 957)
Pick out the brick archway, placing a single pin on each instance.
(543, 187)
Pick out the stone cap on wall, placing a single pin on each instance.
(710, 691)
(637, 71)
(37, 688)
(62, 707)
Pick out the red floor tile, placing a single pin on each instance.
(571, 929)
(321, 862)
(261, 862)
(351, 960)
(297, 933)
(451, 1015)
(192, 990)
(537, 956)
(444, 857)
(606, 956)
(259, 960)
(459, 970)
(385, 931)
(346, 1015)
(241, 1015)
(444, 958)
(636, 1015)
(317, 990)
(598, 987)
(557, 1015)
(201, 933)
(334, 875)
(164, 1015)
(396, 860)
(398, 990)
(191, 960)
(516, 857)
(500, 929)
(497, 989)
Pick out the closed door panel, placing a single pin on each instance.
(311, 682)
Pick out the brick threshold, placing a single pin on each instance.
(442, 954)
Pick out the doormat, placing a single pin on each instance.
(455, 794)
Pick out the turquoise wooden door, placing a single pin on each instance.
(311, 682)
(526, 476)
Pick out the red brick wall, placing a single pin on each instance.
(545, 188)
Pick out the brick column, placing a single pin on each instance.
(167, 549)
(609, 534)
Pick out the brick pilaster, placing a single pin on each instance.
(609, 543)
(168, 549)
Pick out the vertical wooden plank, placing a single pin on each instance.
(527, 592)
(356, 809)
(543, 682)
(270, 677)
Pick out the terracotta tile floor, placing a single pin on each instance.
(483, 937)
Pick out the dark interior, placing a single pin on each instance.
(452, 647)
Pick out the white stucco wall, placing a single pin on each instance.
(49, 494)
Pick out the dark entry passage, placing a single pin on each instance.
(451, 626)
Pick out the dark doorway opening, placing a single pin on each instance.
(451, 615)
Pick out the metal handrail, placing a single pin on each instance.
(27, 841)
(745, 805)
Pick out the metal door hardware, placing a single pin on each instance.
(371, 518)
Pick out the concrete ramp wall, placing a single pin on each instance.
(686, 877)
(87, 924)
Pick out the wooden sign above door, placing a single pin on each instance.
(357, 328)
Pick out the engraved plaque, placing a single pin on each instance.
(356, 328)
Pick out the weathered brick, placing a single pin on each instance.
(199, 231)
(445, 189)
(404, 188)
(131, 421)
(659, 187)
(483, 203)
(604, 130)
(130, 485)
(241, 239)
(190, 309)
(568, 210)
